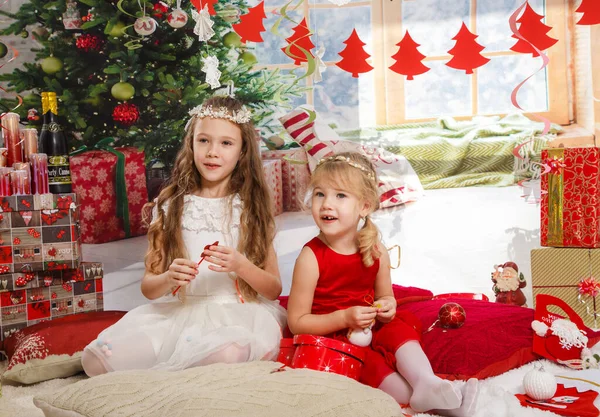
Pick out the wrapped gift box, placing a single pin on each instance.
(111, 198)
(560, 272)
(328, 355)
(570, 206)
(51, 294)
(39, 232)
(295, 176)
(286, 351)
(272, 169)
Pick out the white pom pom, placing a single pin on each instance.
(360, 337)
(541, 329)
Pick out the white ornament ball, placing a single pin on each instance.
(360, 337)
(539, 384)
(145, 26)
(177, 19)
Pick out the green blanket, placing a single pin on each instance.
(449, 153)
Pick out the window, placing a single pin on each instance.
(384, 97)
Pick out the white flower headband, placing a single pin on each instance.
(237, 116)
(369, 172)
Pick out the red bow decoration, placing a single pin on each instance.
(589, 286)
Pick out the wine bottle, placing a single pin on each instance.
(55, 146)
(45, 115)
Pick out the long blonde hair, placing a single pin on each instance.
(257, 224)
(354, 172)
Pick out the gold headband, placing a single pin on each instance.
(370, 174)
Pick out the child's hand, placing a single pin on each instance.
(181, 272)
(386, 310)
(224, 259)
(359, 317)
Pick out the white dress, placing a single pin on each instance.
(171, 335)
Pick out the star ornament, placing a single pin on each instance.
(204, 24)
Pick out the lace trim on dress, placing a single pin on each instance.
(209, 214)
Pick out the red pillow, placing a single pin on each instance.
(52, 349)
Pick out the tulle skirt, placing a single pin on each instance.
(177, 335)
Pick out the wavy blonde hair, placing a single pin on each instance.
(257, 224)
(341, 174)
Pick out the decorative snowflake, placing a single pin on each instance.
(96, 193)
(101, 175)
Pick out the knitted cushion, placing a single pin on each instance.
(247, 389)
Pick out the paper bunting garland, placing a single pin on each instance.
(251, 24)
(354, 57)
(211, 68)
(204, 24)
(320, 67)
(201, 4)
(299, 39)
(408, 58)
(591, 12)
(466, 52)
(534, 32)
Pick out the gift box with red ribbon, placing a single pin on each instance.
(39, 232)
(286, 351)
(47, 295)
(295, 176)
(328, 355)
(272, 170)
(570, 206)
(111, 185)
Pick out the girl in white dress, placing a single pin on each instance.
(222, 309)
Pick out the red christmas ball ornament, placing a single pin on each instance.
(89, 42)
(451, 316)
(126, 114)
(160, 9)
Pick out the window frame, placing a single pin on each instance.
(387, 30)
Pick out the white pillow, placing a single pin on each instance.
(220, 390)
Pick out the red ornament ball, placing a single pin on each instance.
(126, 114)
(451, 316)
(89, 42)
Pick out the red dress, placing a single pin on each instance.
(344, 281)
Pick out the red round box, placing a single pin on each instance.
(329, 355)
(286, 351)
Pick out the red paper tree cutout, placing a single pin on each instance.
(534, 31)
(466, 52)
(251, 24)
(591, 12)
(354, 57)
(300, 38)
(408, 58)
(199, 4)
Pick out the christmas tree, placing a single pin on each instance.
(251, 24)
(534, 31)
(408, 58)
(591, 12)
(466, 52)
(112, 81)
(354, 57)
(299, 39)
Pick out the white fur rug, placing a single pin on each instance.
(496, 397)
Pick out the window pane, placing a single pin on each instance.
(433, 23)
(329, 2)
(492, 22)
(441, 91)
(333, 26)
(268, 3)
(346, 101)
(269, 51)
(501, 75)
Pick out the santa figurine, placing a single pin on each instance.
(508, 283)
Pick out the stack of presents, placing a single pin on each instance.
(568, 265)
(43, 275)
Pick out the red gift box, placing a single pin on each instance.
(108, 196)
(570, 204)
(328, 355)
(286, 351)
(272, 170)
(295, 176)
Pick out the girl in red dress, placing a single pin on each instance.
(344, 266)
